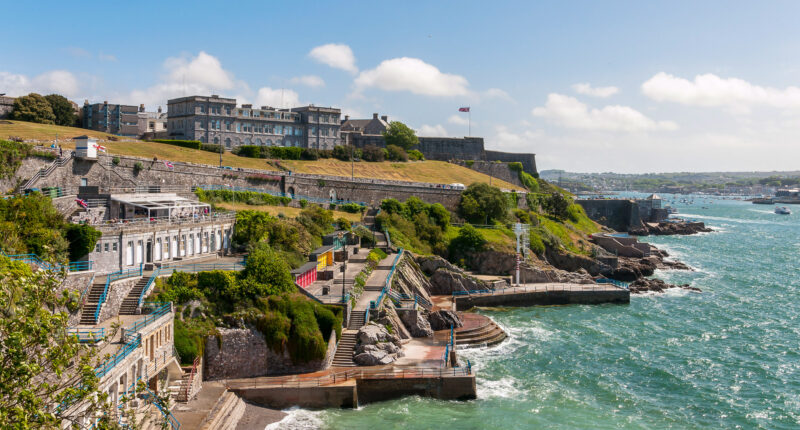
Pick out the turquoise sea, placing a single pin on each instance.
(726, 358)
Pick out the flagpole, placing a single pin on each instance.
(469, 121)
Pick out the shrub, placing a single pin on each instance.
(482, 203)
(536, 243)
(373, 153)
(309, 154)
(469, 240)
(529, 182)
(265, 267)
(284, 152)
(396, 153)
(522, 216)
(343, 224)
(192, 144)
(303, 203)
(137, 167)
(415, 155)
(342, 153)
(352, 208)
(212, 147)
(515, 166)
(11, 156)
(82, 239)
(470, 163)
(250, 151)
(115, 160)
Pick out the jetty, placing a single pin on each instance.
(539, 294)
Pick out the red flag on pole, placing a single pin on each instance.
(463, 109)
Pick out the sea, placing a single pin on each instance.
(726, 358)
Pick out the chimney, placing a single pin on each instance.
(247, 106)
(214, 96)
(159, 109)
(141, 107)
(105, 102)
(347, 117)
(375, 116)
(385, 118)
(86, 102)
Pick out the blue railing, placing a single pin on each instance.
(279, 194)
(109, 364)
(88, 335)
(451, 344)
(614, 282)
(168, 417)
(74, 266)
(122, 274)
(158, 310)
(388, 239)
(387, 284)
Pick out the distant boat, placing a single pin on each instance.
(782, 210)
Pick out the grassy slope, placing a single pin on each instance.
(424, 171)
(289, 212)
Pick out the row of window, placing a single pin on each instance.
(324, 118)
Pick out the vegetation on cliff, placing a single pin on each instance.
(30, 224)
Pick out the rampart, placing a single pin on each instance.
(618, 214)
(528, 160)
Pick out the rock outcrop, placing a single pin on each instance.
(445, 281)
(416, 322)
(376, 346)
(387, 316)
(443, 319)
(645, 285)
(410, 280)
(670, 228)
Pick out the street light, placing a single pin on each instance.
(344, 268)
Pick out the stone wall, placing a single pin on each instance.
(117, 292)
(618, 214)
(528, 160)
(544, 298)
(495, 170)
(243, 353)
(29, 167)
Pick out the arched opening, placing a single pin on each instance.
(228, 142)
(247, 141)
(291, 192)
(333, 195)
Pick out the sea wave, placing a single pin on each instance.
(298, 419)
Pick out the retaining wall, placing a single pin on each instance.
(338, 396)
(442, 388)
(535, 298)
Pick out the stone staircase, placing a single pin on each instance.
(225, 414)
(487, 334)
(92, 301)
(344, 349)
(130, 304)
(357, 319)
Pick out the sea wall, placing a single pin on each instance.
(243, 353)
(538, 298)
(442, 388)
(618, 214)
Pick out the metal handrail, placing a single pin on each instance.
(122, 274)
(103, 369)
(277, 194)
(337, 377)
(173, 422)
(87, 335)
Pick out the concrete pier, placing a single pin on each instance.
(544, 294)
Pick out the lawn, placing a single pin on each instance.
(287, 211)
(438, 172)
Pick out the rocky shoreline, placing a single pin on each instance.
(670, 228)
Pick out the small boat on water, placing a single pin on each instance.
(782, 210)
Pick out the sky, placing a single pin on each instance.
(630, 87)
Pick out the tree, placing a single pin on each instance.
(373, 153)
(401, 135)
(33, 108)
(42, 366)
(266, 267)
(82, 239)
(396, 153)
(556, 205)
(62, 109)
(482, 203)
(469, 240)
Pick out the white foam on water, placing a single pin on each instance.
(297, 419)
(502, 388)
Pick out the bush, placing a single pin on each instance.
(415, 155)
(522, 216)
(469, 240)
(212, 147)
(470, 163)
(250, 151)
(396, 153)
(342, 153)
(303, 203)
(137, 167)
(192, 144)
(556, 205)
(529, 182)
(373, 153)
(482, 203)
(536, 243)
(343, 224)
(352, 208)
(115, 160)
(82, 239)
(309, 154)
(265, 267)
(284, 152)
(515, 166)
(11, 156)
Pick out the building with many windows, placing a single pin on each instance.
(122, 120)
(218, 120)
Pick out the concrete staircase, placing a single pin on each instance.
(357, 319)
(344, 349)
(130, 304)
(487, 334)
(225, 415)
(92, 301)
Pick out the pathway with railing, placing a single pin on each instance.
(543, 294)
(46, 171)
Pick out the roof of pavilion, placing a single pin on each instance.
(158, 201)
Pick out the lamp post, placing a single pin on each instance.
(344, 268)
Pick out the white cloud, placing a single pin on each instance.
(187, 75)
(586, 89)
(308, 80)
(338, 56)
(54, 81)
(569, 112)
(107, 57)
(506, 139)
(78, 52)
(497, 93)
(413, 75)
(277, 98)
(712, 90)
(432, 131)
(458, 120)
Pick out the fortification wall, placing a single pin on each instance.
(528, 160)
(618, 214)
(451, 148)
(496, 170)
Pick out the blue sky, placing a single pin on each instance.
(587, 86)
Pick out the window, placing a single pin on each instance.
(105, 247)
(247, 141)
(84, 182)
(238, 127)
(228, 142)
(216, 140)
(278, 129)
(227, 125)
(227, 110)
(199, 124)
(97, 248)
(288, 130)
(313, 131)
(114, 246)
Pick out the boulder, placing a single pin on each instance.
(445, 281)
(430, 264)
(376, 346)
(644, 285)
(371, 334)
(443, 319)
(416, 323)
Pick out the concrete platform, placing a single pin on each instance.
(545, 294)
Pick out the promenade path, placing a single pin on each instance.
(539, 294)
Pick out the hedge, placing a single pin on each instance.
(192, 144)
